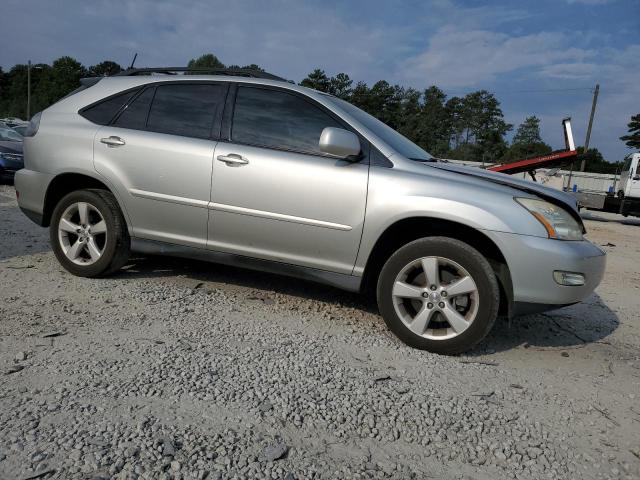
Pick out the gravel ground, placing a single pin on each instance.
(179, 369)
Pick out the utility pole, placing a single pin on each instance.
(593, 112)
(28, 91)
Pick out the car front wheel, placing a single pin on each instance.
(438, 294)
(88, 233)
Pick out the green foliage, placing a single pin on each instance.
(633, 138)
(527, 142)
(104, 69)
(208, 60)
(596, 163)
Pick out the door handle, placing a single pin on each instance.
(112, 141)
(233, 159)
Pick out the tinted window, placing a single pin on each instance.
(278, 120)
(135, 115)
(187, 110)
(103, 112)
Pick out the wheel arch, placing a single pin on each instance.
(68, 182)
(409, 229)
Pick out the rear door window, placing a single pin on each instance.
(186, 109)
(280, 120)
(102, 113)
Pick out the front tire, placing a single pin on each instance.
(438, 294)
(88, 233)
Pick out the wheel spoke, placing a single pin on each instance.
(462, 286)
(74, 250)
(458, 322)
(430, 267)
(100, 227)
(67, 226)
(94, 251)
(421, 320)
(83, 211)
(404, 290)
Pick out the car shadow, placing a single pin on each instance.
(569, 327)
(589, 321)
(593, 216)
(197, 271)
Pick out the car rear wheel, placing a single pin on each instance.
(438, 294)
(88, 233)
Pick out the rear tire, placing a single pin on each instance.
(88, 233)
(438, 294)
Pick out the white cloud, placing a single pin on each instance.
(457, 58)
(590, 2)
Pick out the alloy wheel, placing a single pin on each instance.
(82, 233)
(435, 297)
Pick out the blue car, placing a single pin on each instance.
(11, 159)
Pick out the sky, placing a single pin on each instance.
(540, 57)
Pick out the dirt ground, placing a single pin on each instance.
(180, 369)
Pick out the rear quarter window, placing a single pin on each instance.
(103, 112)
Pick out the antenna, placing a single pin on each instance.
(134, 60)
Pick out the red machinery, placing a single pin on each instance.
(530, 164)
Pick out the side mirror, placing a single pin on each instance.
(339, 142)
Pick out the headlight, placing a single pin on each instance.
(557, 221)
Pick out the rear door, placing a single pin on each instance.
(275, 195)
(159, 153)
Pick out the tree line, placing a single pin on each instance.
(470, 127)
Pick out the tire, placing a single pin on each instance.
(431, 318)
(109, 249)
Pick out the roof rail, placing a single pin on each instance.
(240, 72)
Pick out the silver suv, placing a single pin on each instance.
(250, 170)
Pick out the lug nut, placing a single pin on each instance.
(441, 304)
(443, 294)
(425, 294)
(433, 287)
(429, 305)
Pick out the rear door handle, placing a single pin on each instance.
(112, 141)
(233, 159)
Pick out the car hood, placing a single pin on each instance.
(549, 194)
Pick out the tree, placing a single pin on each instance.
(633, 138)
(527, 142)
(317, 80)
(340, 86)
(434, 126)
(208, 60)
(596, 163)
(104, 69)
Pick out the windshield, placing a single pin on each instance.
(398, 142)
(7, 134)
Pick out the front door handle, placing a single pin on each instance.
(112, 141)
(233, 159)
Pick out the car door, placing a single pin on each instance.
(275, 195)
(159, 153)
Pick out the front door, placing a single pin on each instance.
(159, 153)
(275, 195)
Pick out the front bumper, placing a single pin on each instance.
(532, 261)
